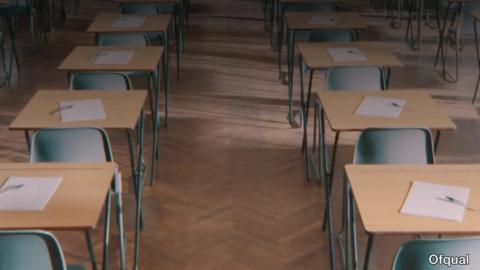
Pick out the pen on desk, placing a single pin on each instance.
(15, 187)
(61, 108)
(396, 105)
(457, 202)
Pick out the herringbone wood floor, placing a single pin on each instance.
(231, 191)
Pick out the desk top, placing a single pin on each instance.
(380, 191)
(153, 23)
(82, 58)
(144, 1)
(306, 1)
(420, 111)
(75, 205)
(316, 56)
(345, 20)
(122, 109)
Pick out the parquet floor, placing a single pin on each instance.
(231, 191)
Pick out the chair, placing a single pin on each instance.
(148, 9)
(79, 145)
(422, 254)
(388, 146)
(123, 39)
(456, 35)
(38, 250)
(100, 81)
(332, 36)
(355, 78)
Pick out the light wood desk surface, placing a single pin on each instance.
(345, 20)
(420, 111)
(75, 205)
(82, 58)
(122, 109)
(144, 1)
(380, 191)
(153, 23)
(315, 54)
(306, 1)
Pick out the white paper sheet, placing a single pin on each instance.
(81, 110)
(113, 57)
(346, 54)
(32, 196)
(323, 20)
(128, 22)
(429, 200)
(381, 107)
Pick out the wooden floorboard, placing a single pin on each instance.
(230, 191)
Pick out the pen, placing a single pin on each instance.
(15, 187)
(457, 202)
(61, 108)
(396, 105)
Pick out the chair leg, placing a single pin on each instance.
(368, 251)
(106, 229)
(121, 229)
(91, 253)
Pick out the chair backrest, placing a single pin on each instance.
(394, 146)
(145, 9)
(424, 254)
(70, 145)
(466, 19)
(123, 39)
(360, 78)
(100, 81)
(331, 36)
(39, 250)
(315, 6)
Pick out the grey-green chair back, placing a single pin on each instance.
(361, 78)
(331, 36)
(100, 81)
(145, 9)
(394, 146)
(21, 250)
(70, 145)
(123, 39)
(465, 27)
(315, 7)
(423, 254)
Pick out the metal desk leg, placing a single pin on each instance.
(119, 211)
(29, 142)
(329, 182)
(441, 32)
(331, 247)
(156, 124)
(477, 50)
(106, 230)
(280, 26)
(91, 252)
(166, 79)
(139, 174)
(353, 229)
(290, 52)
(368, 251)
(437, 139)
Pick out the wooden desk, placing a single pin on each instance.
(145, 59)
(82, 58)
(123, 109)
(82, 191)
(299, 21)
(153, 24)
(380, 190)
(103, 23)
(420, 110)
(75, 205)
(315, 54)
(316, 57)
